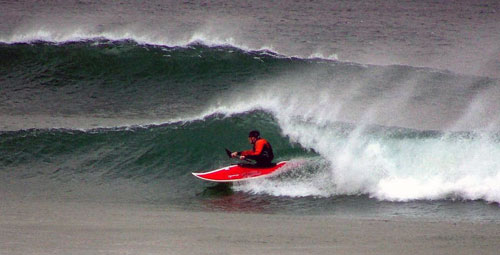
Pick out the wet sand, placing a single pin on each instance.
(93, 228)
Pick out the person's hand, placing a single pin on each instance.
(242, 157)
(234, 154)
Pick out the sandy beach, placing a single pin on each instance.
(92, 228)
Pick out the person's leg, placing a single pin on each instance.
(261, 160)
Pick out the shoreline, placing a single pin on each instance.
(44, 227)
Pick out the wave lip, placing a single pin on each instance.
(79, 34)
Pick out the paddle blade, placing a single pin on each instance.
(228, 152)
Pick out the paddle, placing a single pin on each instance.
(228, 152)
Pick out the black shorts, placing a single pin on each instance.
(262, 160)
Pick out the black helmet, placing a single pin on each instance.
(254, 133)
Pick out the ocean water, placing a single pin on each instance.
(389, 108)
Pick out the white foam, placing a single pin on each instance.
(320, 55)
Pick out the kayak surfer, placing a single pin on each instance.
(262, 152)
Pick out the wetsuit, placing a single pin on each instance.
(262, 152)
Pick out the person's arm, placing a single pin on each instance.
(259, 146)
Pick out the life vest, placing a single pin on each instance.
(261, 148)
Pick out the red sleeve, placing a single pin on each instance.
(259, 146)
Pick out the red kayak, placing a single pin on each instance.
(240, 172)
